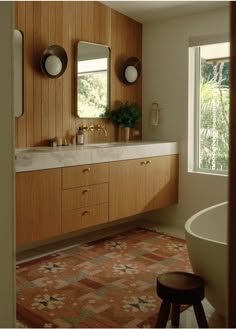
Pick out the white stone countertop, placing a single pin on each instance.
(45, 157)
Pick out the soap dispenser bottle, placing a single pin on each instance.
(80, 137)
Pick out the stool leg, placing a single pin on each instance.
(200, 315)
(163, 315)
(175, 315)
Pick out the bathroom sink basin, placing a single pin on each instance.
(113, 144)
(46, 149)
(105, 145)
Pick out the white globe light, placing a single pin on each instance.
(53, 65)
(131, 74)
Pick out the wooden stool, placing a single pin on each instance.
(178, 288)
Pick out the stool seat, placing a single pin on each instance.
(178, 288)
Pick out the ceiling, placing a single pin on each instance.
(148, 11)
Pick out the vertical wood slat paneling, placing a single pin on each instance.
(122, 49)
(66, 106)
(89, 28)
(51, 82)
(29, 74)
(50, 103)
(139, 82)
(37, 85)
(45, 82)
(68, 17)
(59, 81)
(78, 37)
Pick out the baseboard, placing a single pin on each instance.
(44, 248)
(175, 232)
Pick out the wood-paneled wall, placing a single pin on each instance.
(49, 104)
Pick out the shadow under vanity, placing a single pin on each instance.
(67, 189)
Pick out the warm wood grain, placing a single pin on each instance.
(137, 186)
(51, 82)
(84, 217)
(127, 188)
(126, 42)
(162, 182)
(84, 175)
(28, 76)
(24, 220)
(84, 196)
(49, 104)
(38, 205)
(45, 82)
(38, 47)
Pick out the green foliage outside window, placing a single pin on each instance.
(214, 116)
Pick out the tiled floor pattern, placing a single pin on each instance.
(111, 280)
(108, 283)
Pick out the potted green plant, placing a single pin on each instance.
(125, 115)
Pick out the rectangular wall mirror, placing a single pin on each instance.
(18, 73)
(93, 79)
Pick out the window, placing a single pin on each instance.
(209, 93)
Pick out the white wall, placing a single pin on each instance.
(7, 238)
(165, 81)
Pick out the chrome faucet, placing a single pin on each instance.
(95, 127)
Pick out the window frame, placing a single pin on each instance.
(194, 112)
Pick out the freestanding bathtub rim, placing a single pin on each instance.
(206, 239)
(189, 222)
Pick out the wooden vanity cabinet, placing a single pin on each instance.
(57, 201)
(84, 175)
(84, 196)
(162, 182)
(38, 205)
(127, 184)
(141, 185)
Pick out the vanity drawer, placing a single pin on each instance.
(73, 220)
(84, 196)
(84, 175)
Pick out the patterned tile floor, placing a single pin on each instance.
(108, 283)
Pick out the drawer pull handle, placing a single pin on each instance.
(143, 162)
(86, 169)
(149, 161)
(85, 212)
(86, 191)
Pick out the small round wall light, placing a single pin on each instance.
(132, 70)
(53, 65)
(54, 61)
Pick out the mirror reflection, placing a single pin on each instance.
(93, 63)
(18, 73)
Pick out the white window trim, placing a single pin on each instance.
(193, 106)
(191, 112)
(196, 107)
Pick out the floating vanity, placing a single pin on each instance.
(68, 188)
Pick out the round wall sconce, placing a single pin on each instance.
(53, 61)
(132, 70)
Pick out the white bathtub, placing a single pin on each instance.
(206, 237)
